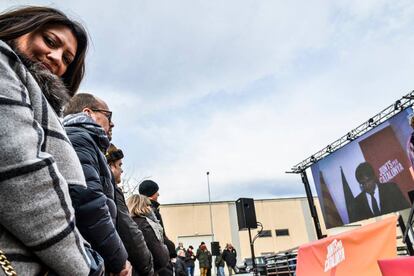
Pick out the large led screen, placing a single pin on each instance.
(370, 176)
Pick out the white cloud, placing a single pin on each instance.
(244, 89)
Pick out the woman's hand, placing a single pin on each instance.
(127, 271)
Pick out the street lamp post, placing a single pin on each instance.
(209, 203)
(211, 214)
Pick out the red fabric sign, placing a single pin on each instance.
(352, 253)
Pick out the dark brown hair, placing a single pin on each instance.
(18, 22)
(113, 154)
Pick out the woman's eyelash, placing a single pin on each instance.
(67, 60)
(49, 41)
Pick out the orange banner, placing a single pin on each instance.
(352, 253)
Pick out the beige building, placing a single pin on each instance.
(287, 223)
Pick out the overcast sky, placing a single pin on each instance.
(243, 89)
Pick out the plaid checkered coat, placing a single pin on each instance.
(37, 162)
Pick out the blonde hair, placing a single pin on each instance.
(139, 205)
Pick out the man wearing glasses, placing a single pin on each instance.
(89, 127)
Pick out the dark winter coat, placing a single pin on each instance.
(95, 209)
(219, 261)
(169, 269)
(156, 208)
(229, 256)
(133, 239)
(189, 258)
(180, 267)
(155, 244)
(204, 258)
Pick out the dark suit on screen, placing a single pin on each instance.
(390, 197)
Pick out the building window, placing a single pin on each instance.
(265, 233)
(282, 232)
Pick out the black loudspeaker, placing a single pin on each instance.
(246, 215)
(215, 248)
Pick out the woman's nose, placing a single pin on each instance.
(56, 57)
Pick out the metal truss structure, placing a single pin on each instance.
(401, 104)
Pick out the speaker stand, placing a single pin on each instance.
(252, 251)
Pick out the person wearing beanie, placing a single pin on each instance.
(150, 189)
(138, 253)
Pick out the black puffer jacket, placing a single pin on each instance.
(95, 209)
(138, 253)
(180, 267)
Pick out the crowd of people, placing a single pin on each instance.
(63, 211)
(186, 260)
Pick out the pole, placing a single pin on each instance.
(209, 203)
(252, 251)
(211, 216)
(311, 205)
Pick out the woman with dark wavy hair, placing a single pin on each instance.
(42, 61)
(30, 20)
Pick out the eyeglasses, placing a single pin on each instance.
(107, 113)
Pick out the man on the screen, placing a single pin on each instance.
(375, 198)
